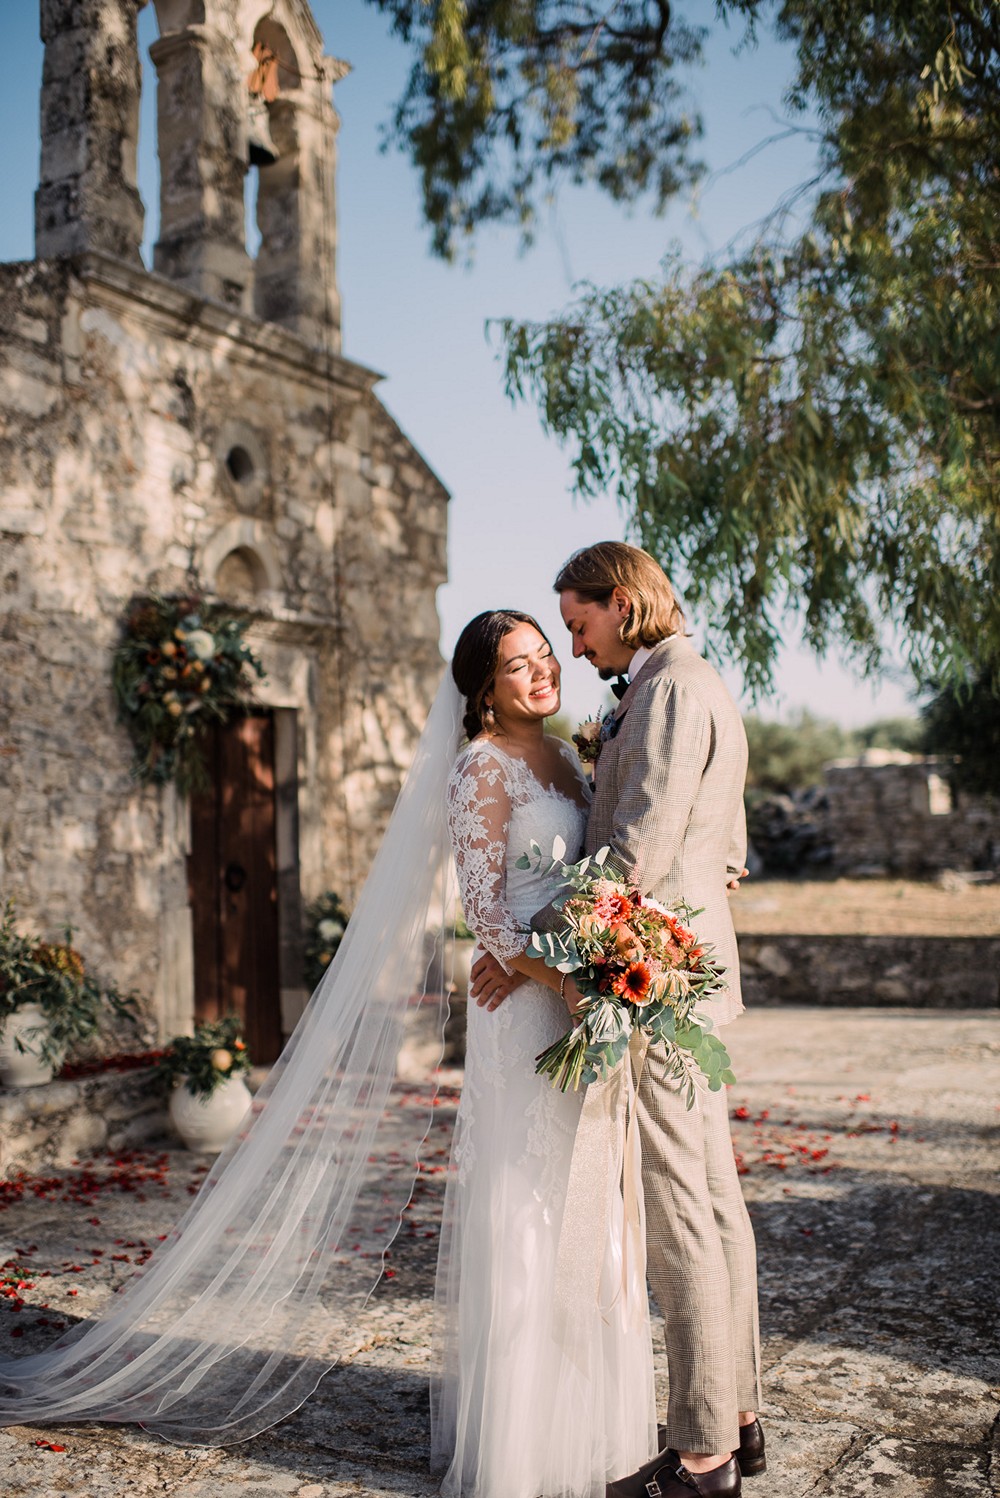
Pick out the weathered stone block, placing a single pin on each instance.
(943, 972)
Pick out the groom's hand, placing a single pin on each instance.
(735, 882)
(491, 983)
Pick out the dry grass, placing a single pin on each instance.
(865, 907)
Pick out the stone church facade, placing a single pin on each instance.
(198, 423)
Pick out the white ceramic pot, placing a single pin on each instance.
(462, 950)
(24, 1068)
(207, 1124)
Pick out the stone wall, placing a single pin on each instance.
(936, 971)
(905, 816)
(886, 813)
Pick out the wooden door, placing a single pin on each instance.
(233, 884)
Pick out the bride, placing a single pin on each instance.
(256, 1292)
(519, 1411)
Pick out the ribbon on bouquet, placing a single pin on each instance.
(607, 1159)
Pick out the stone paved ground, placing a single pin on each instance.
(867, 1140)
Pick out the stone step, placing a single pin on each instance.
(58, 1122)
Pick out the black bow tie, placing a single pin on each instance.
(620, 687)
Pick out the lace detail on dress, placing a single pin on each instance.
(550, 1137)
(496, 807)
(479, 808)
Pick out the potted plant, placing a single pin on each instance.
(209, 1098)
(463, 946)
(49, 1002)
(326, 922)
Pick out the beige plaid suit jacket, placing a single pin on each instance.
(668, 795)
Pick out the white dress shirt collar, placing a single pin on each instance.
(637, 662)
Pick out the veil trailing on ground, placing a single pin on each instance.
(238, 1315)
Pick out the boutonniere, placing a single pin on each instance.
(592, 734)
(588, 739)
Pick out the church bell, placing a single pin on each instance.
(262, 83)
(263, 151)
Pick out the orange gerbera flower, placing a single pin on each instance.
(633, 983)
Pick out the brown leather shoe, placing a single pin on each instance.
(667, 1477)
(750, 1454)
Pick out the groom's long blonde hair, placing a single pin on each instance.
(595, 572)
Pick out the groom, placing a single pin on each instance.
(668, 800)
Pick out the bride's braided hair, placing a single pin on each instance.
(477, 658)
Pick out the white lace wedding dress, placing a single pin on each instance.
(517, 1413)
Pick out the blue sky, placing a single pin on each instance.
(424, 324)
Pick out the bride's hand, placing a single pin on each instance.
(491, 983)
(734, 883)
(572, 997)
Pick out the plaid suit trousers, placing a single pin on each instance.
(701, 1261)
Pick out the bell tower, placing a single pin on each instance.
(240, 85)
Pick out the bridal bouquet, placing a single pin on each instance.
(639, 966)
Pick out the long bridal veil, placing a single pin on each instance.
(234, 1320)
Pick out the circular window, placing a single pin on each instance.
(239, 465)
(242, 466)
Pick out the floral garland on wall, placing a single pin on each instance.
(181, 663)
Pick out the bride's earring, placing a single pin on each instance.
(489, 719)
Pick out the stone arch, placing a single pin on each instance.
(171, 15)
(244, 548)
(274, 36)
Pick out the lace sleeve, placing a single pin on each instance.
(571, 757)
(479, 820)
